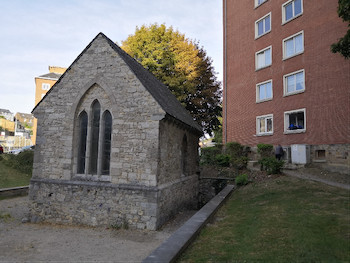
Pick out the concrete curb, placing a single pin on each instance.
(14, 191)
(171, 249)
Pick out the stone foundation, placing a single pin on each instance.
(93, 203)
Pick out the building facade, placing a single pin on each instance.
(43, 84)
(282, 84)
(114, 146)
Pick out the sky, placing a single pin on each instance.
(35, 34)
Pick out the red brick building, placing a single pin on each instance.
(282, 84)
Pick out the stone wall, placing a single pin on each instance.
(333, 157)
(178, 189)
(93, 203)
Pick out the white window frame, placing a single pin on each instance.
(45, 86)
(258, 100)
(286, 121)
(284, 21)
(256, 25)
(256, 2)
(285, 87)
(265, 117)
(292, 37)
(256, 58)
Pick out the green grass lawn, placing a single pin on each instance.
(10, 177)
(279, 220)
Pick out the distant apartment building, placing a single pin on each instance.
(282, 84)
(43, 84)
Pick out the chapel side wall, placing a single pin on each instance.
(177, 191)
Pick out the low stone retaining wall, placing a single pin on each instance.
(14, 191)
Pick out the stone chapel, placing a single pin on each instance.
(114, 146)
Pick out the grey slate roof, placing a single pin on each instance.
(157, 89)
(51, 75)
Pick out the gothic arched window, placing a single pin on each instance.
(106, 142)
(83, 127)
(94, 140)
(95, 132)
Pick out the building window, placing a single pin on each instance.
(83, 125)
(264, 125)
(45, 86)
(106, 142)
(294, 83)
(291, 10)
(97, 131)
(184, 155)
(259, 2)
(263, 58)
(293, 45)
(295, 121)
(263, 25)
(264, 91)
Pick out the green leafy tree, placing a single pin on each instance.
(343, 45)
(183, 66)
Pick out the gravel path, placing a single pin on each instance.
(43, 242)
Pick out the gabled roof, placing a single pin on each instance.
(51, 75)
(157, 89)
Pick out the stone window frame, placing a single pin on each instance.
(99, 175)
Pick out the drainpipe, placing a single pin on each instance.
(225, 72)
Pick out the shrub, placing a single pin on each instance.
(241, 179)
(265, 150)
(240, 162)
(208, 155)
(238, 154)
(222, 160)
(271, 165)
(22, 162)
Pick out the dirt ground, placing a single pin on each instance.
(27, 242)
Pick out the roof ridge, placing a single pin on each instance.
(159, 91)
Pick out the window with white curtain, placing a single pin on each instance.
(293, 45)
(264, 125)
(263, 58)
(264, 91)
(294, 82)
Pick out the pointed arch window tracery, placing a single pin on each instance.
(94, 141)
